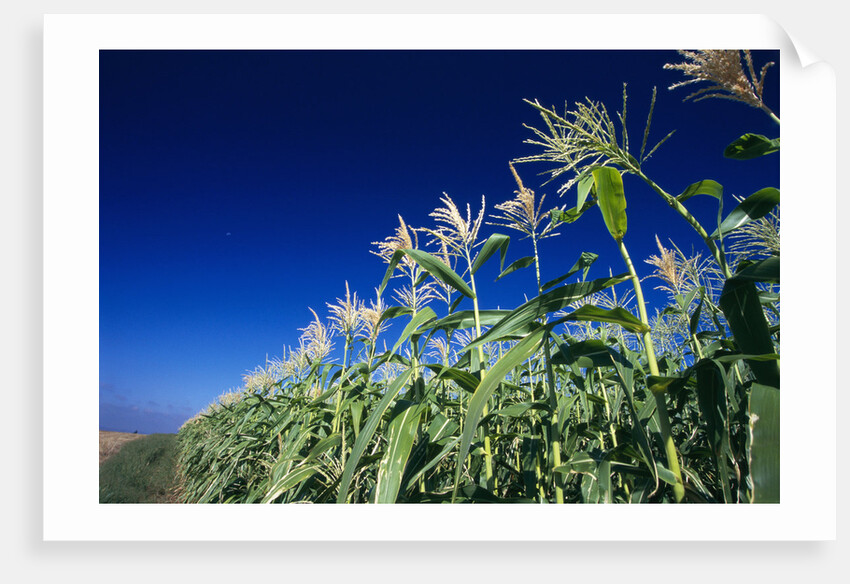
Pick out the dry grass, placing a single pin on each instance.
(111, 442)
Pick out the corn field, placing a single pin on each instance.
(578, 395)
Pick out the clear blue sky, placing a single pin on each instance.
(240, 188)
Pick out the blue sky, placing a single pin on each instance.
(238, 189)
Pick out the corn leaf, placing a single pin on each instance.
(517, 265)
(546, 303)
(367, 432)
(612, 200)
(297, 475)
(618, 315)
(751, 146)
(764, 443)
(430, 264)
(421, 318)
(703, 187)
(583, 263)
(400, 436)
(753, 207)
(519, 353)
(741, 305)
(496, 242)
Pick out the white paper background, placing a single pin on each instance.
(69, 365)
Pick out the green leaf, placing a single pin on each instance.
(612, 200)
(711, 398)
(517, 265)
(589, 353)
(322, 446)
(753, 207)
(570, 215)
(367, 432)
(466, 319)
(660, 383)
(667, 475)
(449, 446)
(394, 312)
(751, 146)
(618, 315)
(583, 188)
(546, 303)
(583, 263)
(764, 443)
(766, 270)
(703, 187)
(580, 462)
(625, 366)
(465, 380)
(492, 378)
(297, 475)
(430, 264)
(693, 323)
(400, 436)
(497, 241)
(421, 318)
(741, 305)
(520, 409)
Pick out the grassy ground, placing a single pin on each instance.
(142, 471)
(111, 442)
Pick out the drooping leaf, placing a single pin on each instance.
(612, 200)
(546, 303)
(520, 409)
(693, 323)
(496, 242)
(466, 380)
(583, 263)
(570, 215)
(660, 383)
(766, 270)
(751, 146)
(421, 318)
(589, 353)
(584, 187)
(430, 264)
(753, 207)
(322, 446)
(517, 265)
(703, 187)
(617, 315)
(465, 319)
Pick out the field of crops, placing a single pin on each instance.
(582, 394)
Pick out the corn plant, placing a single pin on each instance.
(577, 395)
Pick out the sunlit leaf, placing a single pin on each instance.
(496, 242)
(753, 207)
(612, 200)
(751, 146)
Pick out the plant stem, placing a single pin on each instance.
(488, 456)
(550, 381)
(660, 400)
(716, 252)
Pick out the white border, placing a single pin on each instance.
(71, 510)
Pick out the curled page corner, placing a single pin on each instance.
(805, 56)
